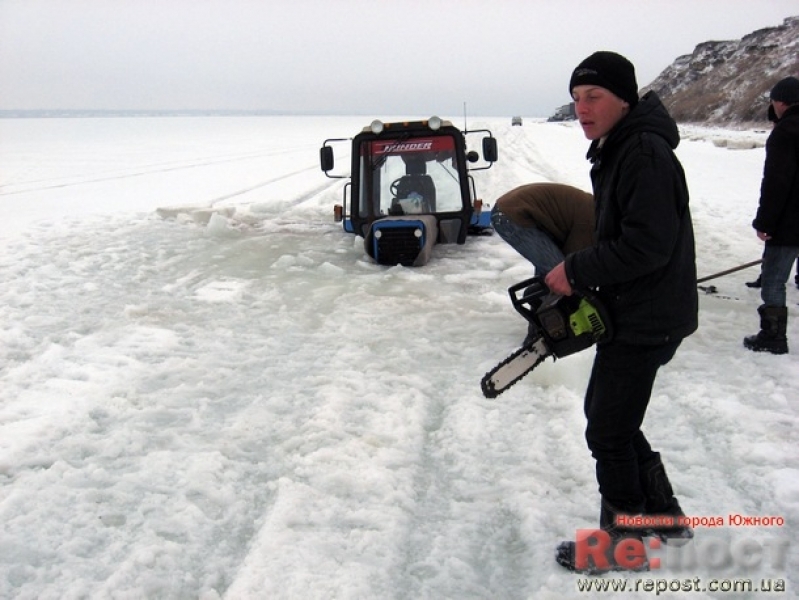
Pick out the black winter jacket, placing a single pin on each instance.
(642, 262)
(778, 213)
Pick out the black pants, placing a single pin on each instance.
(615, 404)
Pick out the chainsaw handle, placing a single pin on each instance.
(528, 295)
(525, 293)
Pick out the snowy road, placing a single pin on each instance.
(227, 399)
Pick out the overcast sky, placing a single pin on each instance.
(371, 57)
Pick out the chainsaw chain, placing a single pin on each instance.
(489, 389)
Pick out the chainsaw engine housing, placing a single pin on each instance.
(568, 324)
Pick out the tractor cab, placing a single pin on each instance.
(410, 188)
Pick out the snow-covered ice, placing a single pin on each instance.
(207, 389)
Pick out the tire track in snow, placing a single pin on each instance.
(464, 537)
(140, 172)
(270, 181)
(525, 155)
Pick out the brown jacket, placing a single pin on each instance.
(563, 211)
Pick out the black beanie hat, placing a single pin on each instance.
(608, 70)
(786, 90)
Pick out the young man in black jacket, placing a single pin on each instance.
(777, 220)
(642, 265)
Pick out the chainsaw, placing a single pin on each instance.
(559, 326)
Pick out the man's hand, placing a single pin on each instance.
(763, 236)
(557, 281)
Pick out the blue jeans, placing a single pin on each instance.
(615, 404)
(534, 244)
(777, 264)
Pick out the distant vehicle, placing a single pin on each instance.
(516, 121)
(410, 188)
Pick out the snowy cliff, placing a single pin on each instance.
(728, 82)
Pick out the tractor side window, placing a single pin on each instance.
(444, 172)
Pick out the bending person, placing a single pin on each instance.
(544, 222)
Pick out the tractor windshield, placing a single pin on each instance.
(409, 176)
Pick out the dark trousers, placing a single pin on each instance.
(615, 404)
(776, 269)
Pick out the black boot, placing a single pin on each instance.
(756, 283)
(612, 547)
(661, 506)
(772, 335)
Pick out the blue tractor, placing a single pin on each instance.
(410, 188)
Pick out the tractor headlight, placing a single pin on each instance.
(376, 126)
(434, 123)
(378, 234)
(417, 232)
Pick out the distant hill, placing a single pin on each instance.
(726, 83)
